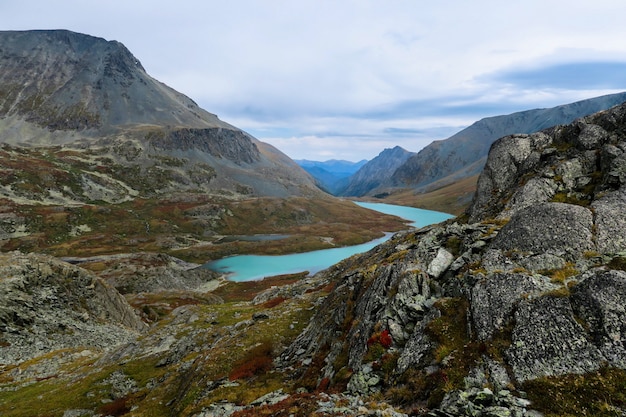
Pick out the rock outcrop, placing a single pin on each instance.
(150, 272)
(531, 287)
(47, 305)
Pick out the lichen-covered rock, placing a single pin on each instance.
(610, 222)
(547, 340)
(564, 230)
(364, 382)
(441, 262)
(536, 190)
(616, 172)
(488, 373)
(599, 302)
(418, 348)
(495, 297)
(591, 136)
(483, 402)
(410, 303)
(570, 172)
(509, 158)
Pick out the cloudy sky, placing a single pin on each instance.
(345, 79)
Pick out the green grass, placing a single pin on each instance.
(225, 349)
(53, 396)
(594, 394)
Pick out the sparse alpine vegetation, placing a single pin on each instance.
(515, 308)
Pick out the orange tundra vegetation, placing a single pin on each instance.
(257, 361)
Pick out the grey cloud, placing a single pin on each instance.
(569, 75)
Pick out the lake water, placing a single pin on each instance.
(251, 267)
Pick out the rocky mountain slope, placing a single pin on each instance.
(463, 155)
(376, 172)
(97, 157)
(514, 309)
(94, 97)
(523, 299)
(50, 306)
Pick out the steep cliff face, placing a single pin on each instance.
(471, 316)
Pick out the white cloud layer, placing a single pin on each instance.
(344, 79)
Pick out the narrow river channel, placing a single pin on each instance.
(252, 267)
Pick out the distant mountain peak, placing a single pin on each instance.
(376, 172)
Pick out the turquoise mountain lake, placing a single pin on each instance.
(251, 267)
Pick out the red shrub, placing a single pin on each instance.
(383, 338)
(324, 384)
(274, 302)
(257, 361)
(115, 408)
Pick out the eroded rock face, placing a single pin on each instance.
(221, 143)
(46, 305)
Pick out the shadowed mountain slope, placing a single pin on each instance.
(464, 154)
(376, 172)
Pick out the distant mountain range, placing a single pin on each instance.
(462, 155)
(332, 175)
(376, 172)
